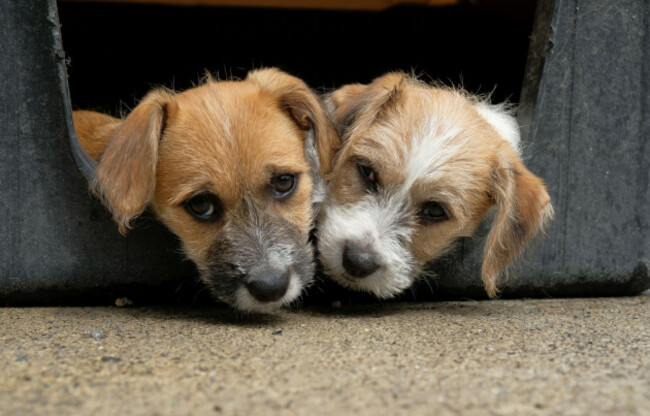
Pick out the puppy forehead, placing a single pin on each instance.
(424, 128)
(236, 113)
(229, 132)
(431, 143)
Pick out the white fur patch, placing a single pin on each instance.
(430, 149)
(381, 219)
(280, 256)
(502, 121)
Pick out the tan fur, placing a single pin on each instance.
(273, 139)
(94, 130)
(523, 208)
(229, 138)
(294, 95)
(126, 174)
(478, 168)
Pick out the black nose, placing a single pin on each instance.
(358, 261)
(269, 286)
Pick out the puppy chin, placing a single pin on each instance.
(245, 302)
(380, 222)
(381, 283)
(227, 280)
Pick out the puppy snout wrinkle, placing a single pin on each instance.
(359, 261)
(269, 286)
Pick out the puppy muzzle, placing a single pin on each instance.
(261, 262)
(365, 246)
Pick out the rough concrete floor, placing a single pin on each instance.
(530, 357)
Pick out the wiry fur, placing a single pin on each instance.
(426, 143)
(385, 222)
(228, 138)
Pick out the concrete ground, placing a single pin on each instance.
(528, 357)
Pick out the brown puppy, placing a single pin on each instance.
(419, 167)
(232, 168)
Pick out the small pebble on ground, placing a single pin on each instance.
(97, 334)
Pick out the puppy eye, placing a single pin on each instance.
(204, 207)
(433, 212)
(283, 185)
(368, 175)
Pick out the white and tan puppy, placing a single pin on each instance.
(232, 168)
(420, 166)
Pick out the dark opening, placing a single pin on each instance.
(118, 51)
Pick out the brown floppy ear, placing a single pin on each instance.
(126, 174)
(94, 130)
(356, 104)
(523, 208)
(342, 105)
(305, 108)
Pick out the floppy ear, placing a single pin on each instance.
(126, 174)
(94, 130)
(356, 104)
(342, 104)
(523, 208)
(306, 109)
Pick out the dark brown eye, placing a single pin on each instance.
(283, 185)
(204, 207)
(433, 212)
(368, 175)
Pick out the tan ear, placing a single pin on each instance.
(126, 174)
(305, 108)
(342, 106)
(523, 208)
(94, 130)
(357, 104)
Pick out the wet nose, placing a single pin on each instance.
(269, 286)
(359, 261)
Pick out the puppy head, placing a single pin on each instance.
(230, 167)
(418, 168)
